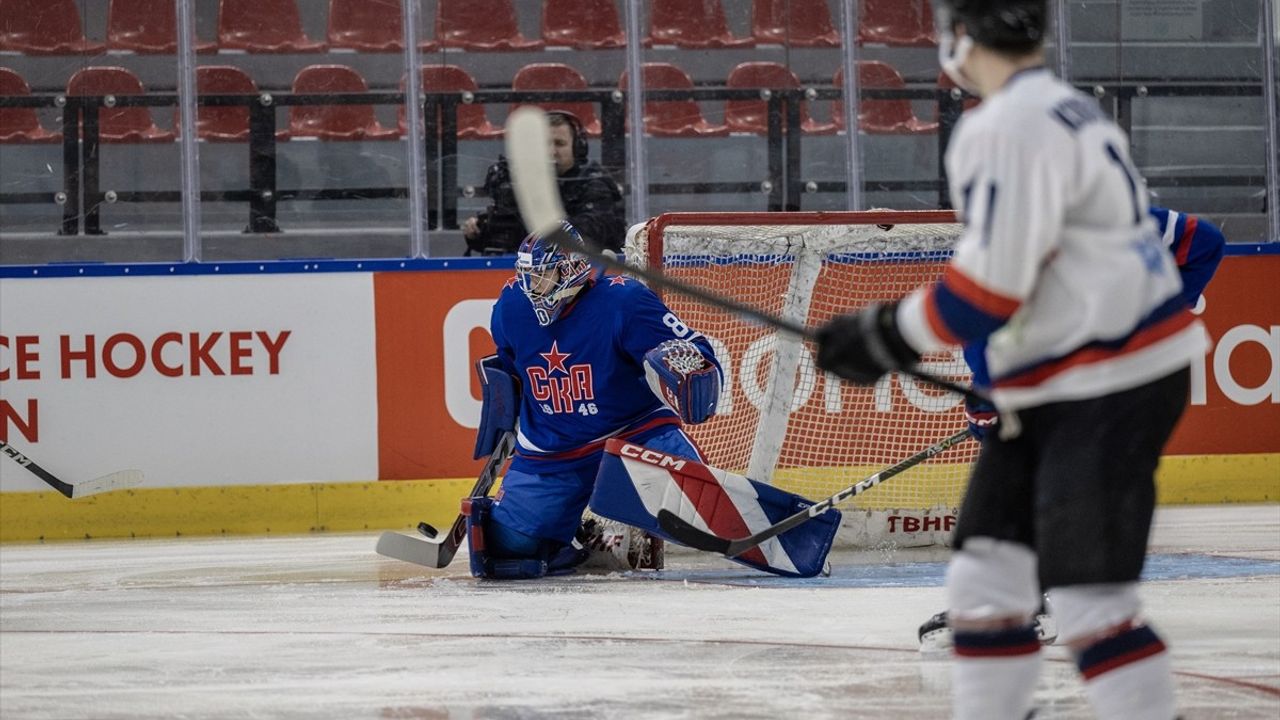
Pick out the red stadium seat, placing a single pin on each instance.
(881, 117)
(798, 23)
(673, 118)
(20, 125)
(146, 27)
(263, 26)
(691, 24)
(334, 122)
(366, 25)
(554, 76)
(480, 25)
(118, 124)
(751, 116)
(224, 123)
(473, 124)
(906, 23)
(582, 24)
(43, 27)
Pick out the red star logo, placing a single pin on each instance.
(618, 280)
(555, 359)
(509, 283)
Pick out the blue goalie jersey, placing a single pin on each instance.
(582, 376)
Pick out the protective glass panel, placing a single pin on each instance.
(301, 150)
(89, 165)
(1186, 80)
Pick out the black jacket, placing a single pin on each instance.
(592, 200)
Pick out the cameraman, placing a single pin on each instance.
(592, 200)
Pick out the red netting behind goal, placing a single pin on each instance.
(780, 419)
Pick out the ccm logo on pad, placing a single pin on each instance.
(653, 457)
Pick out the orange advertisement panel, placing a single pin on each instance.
(1235, 396)
(432, 327)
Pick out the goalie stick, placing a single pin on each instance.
(534, 182)
(686, 533)
(437, 551)
(106, 483)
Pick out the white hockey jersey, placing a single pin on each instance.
(1059, 267)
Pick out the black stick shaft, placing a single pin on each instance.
(35, 469)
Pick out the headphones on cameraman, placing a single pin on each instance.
(579, 134)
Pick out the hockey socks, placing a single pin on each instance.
(994, 674)
(1128, 676)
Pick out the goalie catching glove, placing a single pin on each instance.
(681, 377)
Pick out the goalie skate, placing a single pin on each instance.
(615, 547)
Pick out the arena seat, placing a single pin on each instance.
(20, 125)
(582, 24)
(880, 117)
(798, 23)
(473, 123)
(686, 24)
(555, 76)
(366, 25)
(751, 116)
(906, 23)
(44, 27)
(673, 118)
(263, 26)
(480, 25)
(334, 122)
(118, 124)
(146, 27)
(224, 123)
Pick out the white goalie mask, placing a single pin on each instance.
(952, 51)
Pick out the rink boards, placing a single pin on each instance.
(331, 397)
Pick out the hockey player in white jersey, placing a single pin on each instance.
(1088, 340)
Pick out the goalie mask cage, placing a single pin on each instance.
(780, 419)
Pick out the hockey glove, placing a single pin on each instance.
(982, 417)
(683, 379)
(500, 396)
(865, 345)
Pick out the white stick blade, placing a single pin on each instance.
(115, 481)
(410, 549)
(532, 169)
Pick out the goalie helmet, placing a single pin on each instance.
(1013, 26)
(549, 276)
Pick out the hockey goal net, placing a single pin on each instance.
(782, 420)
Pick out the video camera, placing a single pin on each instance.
(501, 229)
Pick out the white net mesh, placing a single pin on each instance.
(780, 419)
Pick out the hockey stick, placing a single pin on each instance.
(435, 551)
(685, 532)
(113, 481)
(538, 196)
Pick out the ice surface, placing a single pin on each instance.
(321, 627)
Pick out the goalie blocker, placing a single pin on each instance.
(635, 482)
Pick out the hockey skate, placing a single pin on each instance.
(936, 636)
(615, 547)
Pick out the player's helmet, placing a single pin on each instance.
(549, 276)
(1013, 26)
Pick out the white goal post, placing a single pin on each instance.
(782, 421)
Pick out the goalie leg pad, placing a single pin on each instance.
(636, 481)
(500, 404)
(992, 579)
